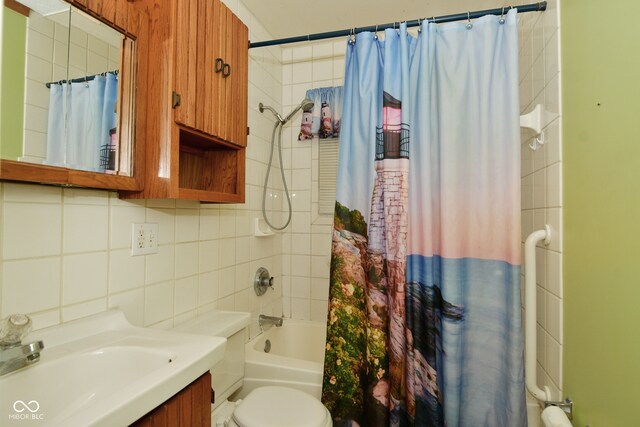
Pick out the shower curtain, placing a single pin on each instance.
(81, 114)
(424, 323)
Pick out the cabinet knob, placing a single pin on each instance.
(226, 70)
(219, 65)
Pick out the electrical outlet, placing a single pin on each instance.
(139, 237)
(144, 239)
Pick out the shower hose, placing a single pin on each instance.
(276, 129)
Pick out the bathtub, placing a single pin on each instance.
(295, 359)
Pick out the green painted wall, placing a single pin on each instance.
(601, 137)
(13, 48)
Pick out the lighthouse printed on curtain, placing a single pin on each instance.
(396, 376)
(387, 236)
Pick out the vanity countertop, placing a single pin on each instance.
(102, 371)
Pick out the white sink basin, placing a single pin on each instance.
(101, 371)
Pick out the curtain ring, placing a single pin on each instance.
(375, 33)
(419, 26)
(469, 25)
(502, 16)
(352, 36)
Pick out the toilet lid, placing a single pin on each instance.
(274, 406)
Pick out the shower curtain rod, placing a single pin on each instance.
(533, 7)
(80, 79)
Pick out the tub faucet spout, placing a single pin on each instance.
(269, 320)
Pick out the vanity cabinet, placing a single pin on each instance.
(190, 407)
(196, 104)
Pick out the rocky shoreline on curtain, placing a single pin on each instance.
(356, 388)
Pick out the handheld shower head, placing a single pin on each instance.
(305, 105)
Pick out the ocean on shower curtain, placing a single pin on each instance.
(424, 320)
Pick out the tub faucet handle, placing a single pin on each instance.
(262, 281)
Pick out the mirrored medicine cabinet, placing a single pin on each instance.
(68, 109)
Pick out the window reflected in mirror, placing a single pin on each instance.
(67, 85)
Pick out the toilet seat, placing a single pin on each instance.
(274, 406)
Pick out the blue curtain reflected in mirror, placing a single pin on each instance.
(82, 125)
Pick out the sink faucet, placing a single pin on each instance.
(13, 354)
(269, 320)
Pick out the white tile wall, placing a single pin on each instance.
(306, 244)
(542, 182)
(65, 253)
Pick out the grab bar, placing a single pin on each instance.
(530, 306)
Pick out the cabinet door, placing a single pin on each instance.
(186, 60)
(235, 102)
(211, 70)
(190, 407)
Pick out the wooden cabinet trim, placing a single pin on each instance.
(17, 7)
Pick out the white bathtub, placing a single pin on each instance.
(295, 359)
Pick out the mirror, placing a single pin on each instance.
(67, 89)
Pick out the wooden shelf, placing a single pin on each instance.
(209, 166)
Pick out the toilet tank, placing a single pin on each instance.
(227, 375)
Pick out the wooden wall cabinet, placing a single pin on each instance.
(196, 103)
(191, 407)
(211, 70)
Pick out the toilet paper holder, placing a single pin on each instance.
(566, 405)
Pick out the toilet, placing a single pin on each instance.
(268, 406)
